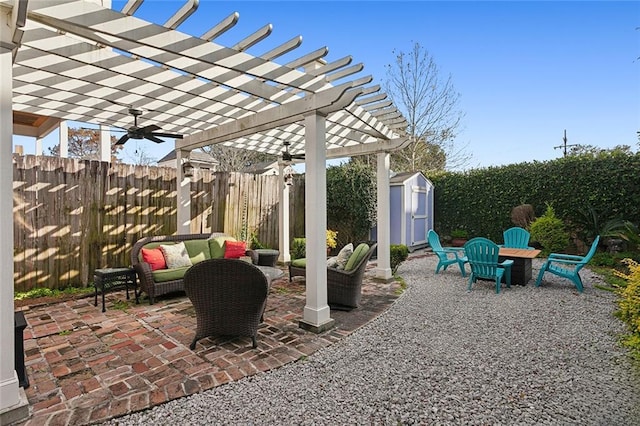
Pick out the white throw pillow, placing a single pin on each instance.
(175, 255)
(343, 256)
(332, 262)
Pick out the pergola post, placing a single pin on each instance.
(38, 150)
(383, 270)
(184, 194)
(12, 399)
(283, 215)
(64, 139)
(105, 144)
(316, 316)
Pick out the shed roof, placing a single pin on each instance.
(194, 156)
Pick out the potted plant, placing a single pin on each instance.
(331, 240)
(459, 237)
(298, 247)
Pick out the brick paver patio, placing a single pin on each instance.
(85, 366)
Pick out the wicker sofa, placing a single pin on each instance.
(159, 282)
(344, 288)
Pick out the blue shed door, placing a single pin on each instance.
(419, 216)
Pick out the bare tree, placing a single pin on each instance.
(141, 157)
(85, 144)
(235, 159)
(431, 106)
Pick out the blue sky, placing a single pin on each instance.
(526, 71)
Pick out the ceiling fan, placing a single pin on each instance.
(146, 132)
(287, 156)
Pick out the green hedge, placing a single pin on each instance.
(481, 200)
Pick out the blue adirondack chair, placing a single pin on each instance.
(446, 255)
(568, 265)
(516, 237)
(483, 259)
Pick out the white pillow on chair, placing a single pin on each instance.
(343, 256)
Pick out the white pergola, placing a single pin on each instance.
(80, 60)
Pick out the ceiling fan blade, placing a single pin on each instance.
(152, 137)
(150, 128)
(93, 129)
(168, 135)
(298, 156)
(122, 139)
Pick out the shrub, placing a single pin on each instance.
(255, 242)
(351, 201)
(459, 233)
(399, 253)
(298, 248)
(629, 305)
(549, 231)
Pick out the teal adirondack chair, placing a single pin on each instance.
(446, 255)
(483, 259)
(516, 237)
(568, 265)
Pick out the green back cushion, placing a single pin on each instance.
(198, 250)
(299, 263)
(356, 257)
(216, 246)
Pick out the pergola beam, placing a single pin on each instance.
(324, 102)
(368, 148)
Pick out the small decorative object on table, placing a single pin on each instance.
(111, 278)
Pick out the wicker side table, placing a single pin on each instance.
(108, 279)
(267, 257)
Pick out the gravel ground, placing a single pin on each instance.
(442, 355)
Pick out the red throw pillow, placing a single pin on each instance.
(234, 249)
(155, 258)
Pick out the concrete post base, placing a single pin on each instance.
(315, 328)
(17, 413)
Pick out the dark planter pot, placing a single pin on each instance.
(458, 242)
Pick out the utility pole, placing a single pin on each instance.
(564, 145)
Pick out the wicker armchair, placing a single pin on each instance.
(229, 297)
(344, 288)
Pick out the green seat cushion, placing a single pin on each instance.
(163, 275)
(299, 263)
(216, 246)
(198, 250)
(357, 256)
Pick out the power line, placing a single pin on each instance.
(565, 145)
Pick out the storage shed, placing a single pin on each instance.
(411, 215)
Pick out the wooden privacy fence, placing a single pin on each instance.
(74, 216)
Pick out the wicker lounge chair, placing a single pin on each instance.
(344, 288)
(229, 297)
